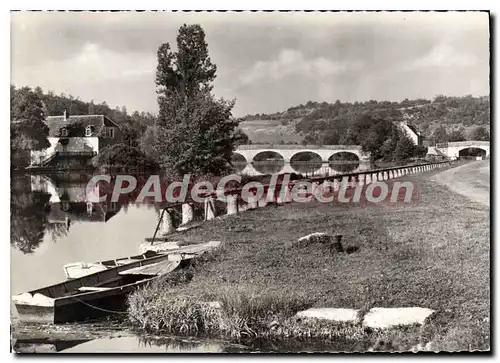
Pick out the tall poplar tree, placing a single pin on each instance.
(195, 132)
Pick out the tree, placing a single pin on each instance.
(440, 135)
(124, 156)
(456, 136)
(194, 131)
(130, 134)
(241, 138)
(28, 129)
(479, 134)
(202, 139)
(372, 132)
(405, 148)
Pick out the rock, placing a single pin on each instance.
(213, 304)
(380, 318)
(317, 237)
(339, 315)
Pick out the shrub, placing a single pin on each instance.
(121, 155)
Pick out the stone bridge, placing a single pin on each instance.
(453, 149)
(253, 154)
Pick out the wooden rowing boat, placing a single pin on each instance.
(75, 270)
(80, 269)
(92, 296)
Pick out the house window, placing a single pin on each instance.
(64, 132)
(111, 132)
(88, 131)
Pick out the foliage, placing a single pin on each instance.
(377, 136)
(456, 136)
(480, 134)
(204, 144)
(28, 129)
(123, 155)
(318, 121)
(194, 132)
(28, 220)
(405, 148)
(240, 138)
(440, 135)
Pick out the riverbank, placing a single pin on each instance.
(432, 252)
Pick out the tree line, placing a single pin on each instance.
(323, 122)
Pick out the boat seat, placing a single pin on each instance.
(93, 288)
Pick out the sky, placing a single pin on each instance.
(267, 62)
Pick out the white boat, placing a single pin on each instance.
(79, 269)
(76, 270)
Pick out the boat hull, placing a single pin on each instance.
(92, 296)
(88, 306)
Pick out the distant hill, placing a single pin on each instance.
(312, 121)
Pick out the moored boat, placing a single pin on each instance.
(80, 269)
(92, 296)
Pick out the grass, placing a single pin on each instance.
(432, 252)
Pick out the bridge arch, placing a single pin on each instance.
(306, 161)
(268, 162)
(344, 161)
(238, 161)
(453, 149)
(472, 151)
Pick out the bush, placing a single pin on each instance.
(121, 155)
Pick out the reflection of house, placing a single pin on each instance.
(412, 133)
(68, 203)
(76, 139)
(81, 212)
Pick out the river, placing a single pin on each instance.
(52, 225)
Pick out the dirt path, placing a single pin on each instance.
(471, 180)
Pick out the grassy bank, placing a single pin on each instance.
(432, 252)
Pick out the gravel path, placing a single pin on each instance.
(471, 180)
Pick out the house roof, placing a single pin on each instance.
(58, 122)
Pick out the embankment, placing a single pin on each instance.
(432, 252)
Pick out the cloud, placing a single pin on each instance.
(291, 62)
(267, 61)
(444, 55)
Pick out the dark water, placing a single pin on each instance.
(137, 344)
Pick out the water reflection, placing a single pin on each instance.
(29, 211)
(46, 205)
(153, 344)
(135, 344)
(53, 224)
(44, 346)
